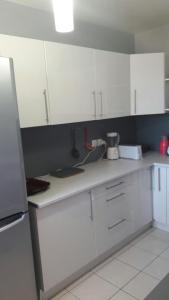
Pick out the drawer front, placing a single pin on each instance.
(118, 211)
(113, 218)
(114, 186)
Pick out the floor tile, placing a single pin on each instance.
(159, 268)
(141, 286)
(122, 250)
(94, 288)
(165, 254)
(137, 258)
(117, 273)
(142, 236)
(64, 296)
(122, 296)
(161, 234)
(78, 281)
(106, 262)
(153, 245)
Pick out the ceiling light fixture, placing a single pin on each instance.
(64, 15)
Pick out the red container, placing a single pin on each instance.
(164, 145)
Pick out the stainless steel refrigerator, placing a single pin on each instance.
(17, 278)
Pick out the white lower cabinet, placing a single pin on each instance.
(66, 238)
(72, 233)
(145, 198)
(160, 194)
(112, 219)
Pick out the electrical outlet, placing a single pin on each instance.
(98, 143)
(94, 143)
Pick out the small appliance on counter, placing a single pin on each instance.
(130, 151)
(113, 140)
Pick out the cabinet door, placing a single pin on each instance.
(167, 196)
(144, 198)
(112, 82)
(66, 238)
(30, 76)
(70, 74)
(160, 194)
(147, 84)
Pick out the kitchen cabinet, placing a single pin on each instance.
(112, 84)
(121, 208)
(112, 218)
(72, 235)
(59, 83)
(97, 83)
(167, 196)
(66, 238)
(70, 73)
(147, 76)
(144, 203)
(30, 76)
(160, 194)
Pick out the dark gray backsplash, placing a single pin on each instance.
(149, 129)
(49, 148)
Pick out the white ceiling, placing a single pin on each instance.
(126, 15)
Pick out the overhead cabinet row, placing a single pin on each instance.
(58, 83)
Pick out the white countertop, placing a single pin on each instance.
(96, 173)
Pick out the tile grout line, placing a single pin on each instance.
(129, 294)
(74, 296)
(116, 258)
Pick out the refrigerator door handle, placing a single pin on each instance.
(12, 224)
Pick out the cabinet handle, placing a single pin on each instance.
(94, 99)
(46, 105)
(91, 206)
(115, 197)
(113, 186)
(116, 224)
(135, 102)
(159, 179)
(101, 100)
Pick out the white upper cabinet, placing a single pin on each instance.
(147, 83)
(112, 83)
(70, 73)
(59, 83)
(30, 76)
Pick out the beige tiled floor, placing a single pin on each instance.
(129, 274)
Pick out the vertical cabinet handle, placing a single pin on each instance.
(94, 99)
(101, 101)
(46, 105)
(135, 102)
(91, 206)
(159, 179)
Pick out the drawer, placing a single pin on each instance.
(122, 229)
(116, 208)
(111, 187)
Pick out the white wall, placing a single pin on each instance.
(28, 22)
(156, 40)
